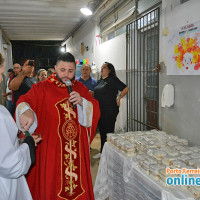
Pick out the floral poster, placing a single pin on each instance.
(184, 51)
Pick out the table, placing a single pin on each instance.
(120, 178)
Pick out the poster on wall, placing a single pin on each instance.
(183, 56)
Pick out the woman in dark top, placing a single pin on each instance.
(106, 92)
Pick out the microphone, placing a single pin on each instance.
(68, 83)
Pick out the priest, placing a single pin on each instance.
(66, 117)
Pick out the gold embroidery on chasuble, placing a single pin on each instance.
(68, 129)
(56, 82)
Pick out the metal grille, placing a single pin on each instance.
(142, 72)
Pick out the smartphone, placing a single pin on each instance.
(31, 63)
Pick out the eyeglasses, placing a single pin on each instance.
(16, 67)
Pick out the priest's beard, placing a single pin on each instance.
(61, 79)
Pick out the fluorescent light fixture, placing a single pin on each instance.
(86, 11)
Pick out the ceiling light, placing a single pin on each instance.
(62, 49)
(86, 11)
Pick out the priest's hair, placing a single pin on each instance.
(66, 57)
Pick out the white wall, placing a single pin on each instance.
(87, 35)
(2, 85)
(113, 51)
(183, 118)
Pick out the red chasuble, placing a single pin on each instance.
(62, 169)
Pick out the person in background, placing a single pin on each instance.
(17, 69)
(15, 160)
(50, 71)
(23, 82)
(8, 94)
(42, 75)
(10, 73)
(86, 79)
(62, 169)
(106, 92)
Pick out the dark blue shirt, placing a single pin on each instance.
(89, 83)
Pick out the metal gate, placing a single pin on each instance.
(142, 64)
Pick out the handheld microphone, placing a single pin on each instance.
(68, 83)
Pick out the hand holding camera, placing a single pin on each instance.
(28, 68)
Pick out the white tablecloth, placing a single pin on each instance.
(120, 178)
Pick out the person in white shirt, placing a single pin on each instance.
(15, 160)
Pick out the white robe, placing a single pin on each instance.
(14, 161)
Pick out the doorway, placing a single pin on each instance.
(142, 72)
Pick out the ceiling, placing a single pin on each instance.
(41, 19)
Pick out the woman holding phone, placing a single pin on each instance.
(23, 82)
